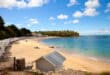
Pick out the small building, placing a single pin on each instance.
(51, 62)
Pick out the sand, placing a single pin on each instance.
(28, 50)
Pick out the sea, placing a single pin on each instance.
(97, 46)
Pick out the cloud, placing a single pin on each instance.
(62, 16)
(92, 3)
(78, 14)
(51, 18)
(108, 8)
(75, 21)
(22, 3)
(90, 12)
(7, 3)
(33, 21)
(71, 3)
(37, 3)
(90, 9)
(91, 6)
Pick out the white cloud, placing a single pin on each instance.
(92, 3)
(33, 21)
(62, 16)
(108, 8)
(71, 3)
(78, 14)
(7, 3)
(37, 3)
(90, 9)
(91, 6)
(51, 18)
(90, 12)
(22, 3)
(75, 21)
(86, 12)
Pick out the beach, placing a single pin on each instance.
(32, 49)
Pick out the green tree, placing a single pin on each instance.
(3, 34)
(1, 23)
(13, 31)
(25, 32)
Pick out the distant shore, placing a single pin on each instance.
(31, 49)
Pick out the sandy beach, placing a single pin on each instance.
(32, 49)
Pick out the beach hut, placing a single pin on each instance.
(51, 62)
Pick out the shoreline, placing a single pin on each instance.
(96, 58)
(26, 50)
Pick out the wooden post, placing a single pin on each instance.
(14, 64)
(20, 64)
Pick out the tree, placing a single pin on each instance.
(13, 31)
(1, 23)
(3, 34)
(60, 33)
(25, 32)
(10, 31)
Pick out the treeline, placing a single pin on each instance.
(60, 33)
(12, 30)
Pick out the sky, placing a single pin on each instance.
(88, 17)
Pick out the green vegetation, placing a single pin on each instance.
(60, 33)
(12, 30)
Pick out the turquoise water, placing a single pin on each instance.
(95, 46)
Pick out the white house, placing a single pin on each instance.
(51, 62)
